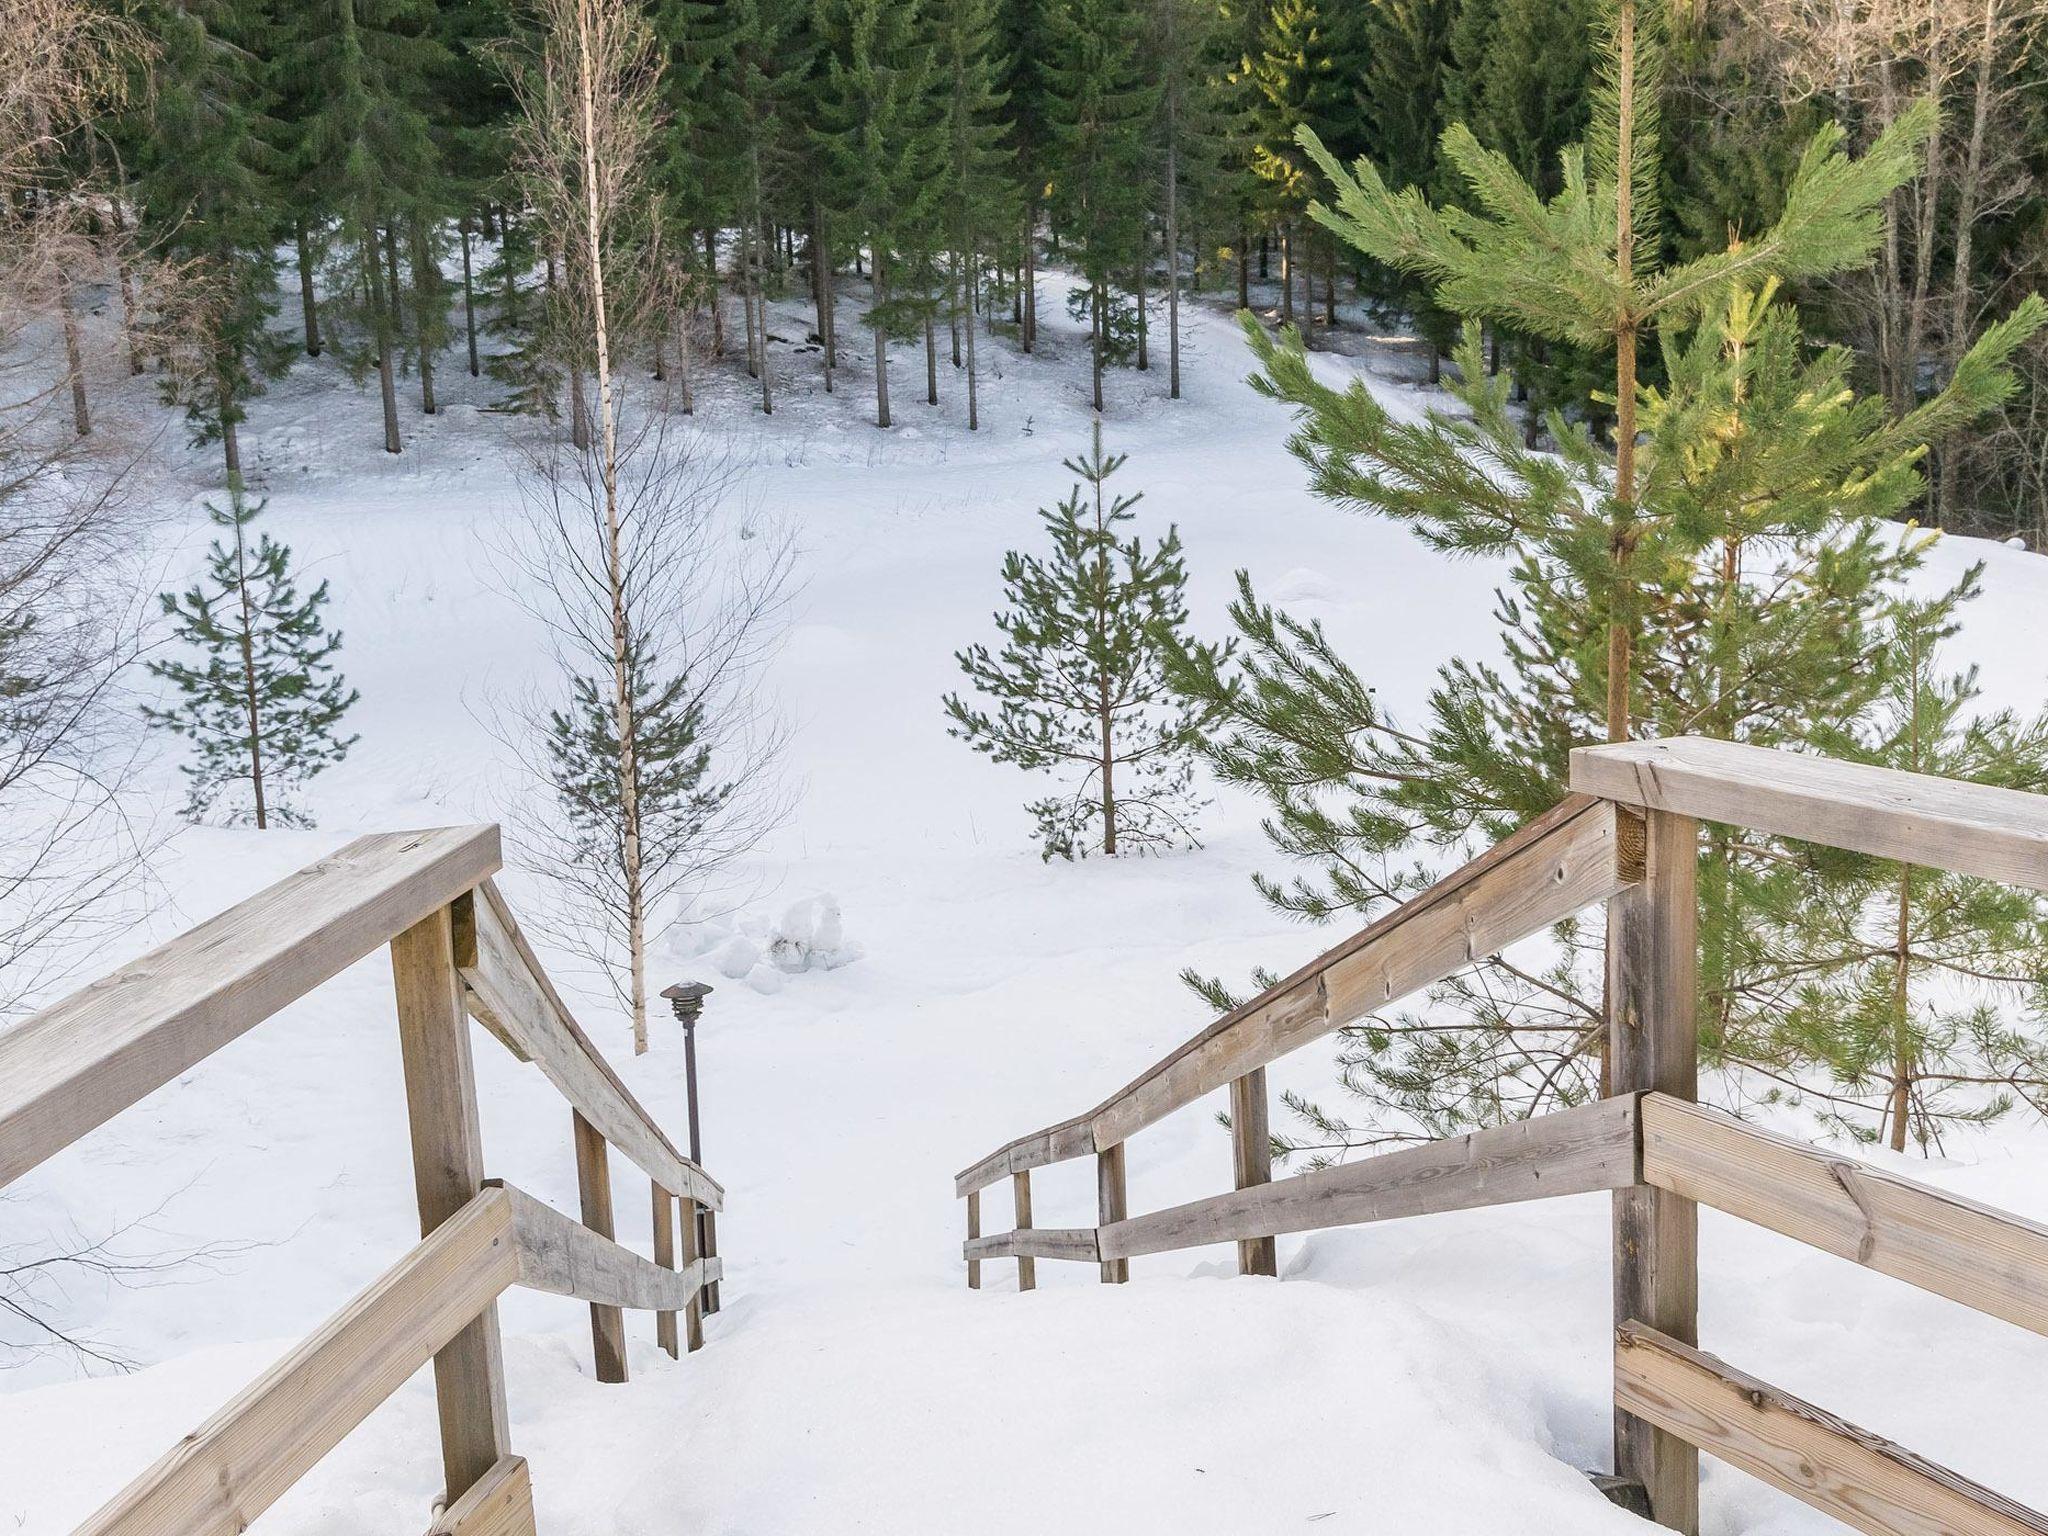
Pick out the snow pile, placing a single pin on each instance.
(809, 936)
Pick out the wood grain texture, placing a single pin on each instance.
(242, 1459)
(1563, 861)
(1653, 1044)
(973, 1231)
(81, 1061)
(1971, 1253)
(1028, 1243)
(1973, 829)
(594, 1192)
(560, 1255)
(1112, 1204)
(506, 986)
(689, 1234)
(1575, 1151)
(501, 1504)
(664, 1229)
(1020, 1203)
(1852, 1474)
(448, 1173)
(1251, 1156)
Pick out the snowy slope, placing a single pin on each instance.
(1443, 1375)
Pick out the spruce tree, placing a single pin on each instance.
(980, 196)
(1101, 106)
(262, 703)
(205, 194)
(1189, 137)
(1297, 79)
(1078, 688)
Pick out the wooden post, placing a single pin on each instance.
(1020, 1194)
(1653, 1043)
(594, 1184)
(665, 1255)
(693, 1315)
(448, 1171)
(708, 1243)
(1251, 1147)
(1111, 1205)
(973, 1231)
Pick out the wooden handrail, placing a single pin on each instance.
(241, 1460)
(560, 1255)
(1860, 1478)
(1568, 859)
(1987, 1259)
(75, 1065)
(1916, 818)
(508, 992)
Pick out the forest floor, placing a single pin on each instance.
(1446, 1375)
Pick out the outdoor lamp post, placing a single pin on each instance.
(687, 998)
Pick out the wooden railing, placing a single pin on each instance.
(456, 953)
(1628, 836)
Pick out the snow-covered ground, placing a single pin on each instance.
(1444, 1375)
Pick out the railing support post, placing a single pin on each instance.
(707, 1243)
(973, 1231)
(1653, 1044)
(594, 1184)
(665, 1255)
(1251, 1146)
(448, 1171)
(1111, 1204)
(1020, 1194)
(693, 1250)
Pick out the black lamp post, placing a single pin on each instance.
(687, 998)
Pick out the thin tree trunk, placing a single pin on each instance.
(469, 302)
(747, 310)
(683, 347)
(251, 714)
(1095, 343)
(1172, 263)
(931, 360)
(1968, 191)
(1244, 269)
(424, 285)
(1144, 350)
(1286, 273)
(1030, 279)
(881, 355)
(74, 361)
(309, 304)
(394, 288)
(973, 403)
(127, 274)
(716, 307)
(380, 313)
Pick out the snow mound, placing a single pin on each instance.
(810, 935)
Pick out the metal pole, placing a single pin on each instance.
(688, 1000)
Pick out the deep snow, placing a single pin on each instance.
(1441, 1375)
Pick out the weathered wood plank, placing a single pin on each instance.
(690, 1229)
(507, 987)
(1027, 1243)
(81, 1061)
(1112, 1204)
(1251, 1156)
(1653, 1044)
(241, 1460)
(501, 1504)
(1973, 829)
(1020, 1202)
(1984, 1258)
(1566, 860)
(448, 1173)
(1575, 1151)
(594, 1190)
(973, 1231)
(1850, 1473)
(560, 1255)
(664, 1214)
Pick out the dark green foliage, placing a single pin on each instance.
(1079, 687)
(676, 792)
(262, 703)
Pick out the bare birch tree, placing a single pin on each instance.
(653, 756)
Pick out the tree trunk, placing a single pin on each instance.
(1244, 269)
(74, 361)
(1968, 192)
(251, 714)
(468, 302)
(1095, 342)
(127, 275)
(973, 404)
(394, 288)
(380, 320)
(424, 285)
(821, 290)
(683, 347)
(1172, 269)
(1286, 273)
(747, 310)
(309, 304)
(881, 355)
(931, 360)
(1030, 278)
(712, 300)
(1144, 350)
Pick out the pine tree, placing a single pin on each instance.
(1079, 688)
(1909, 1008)
(263, 704)
(205, 199)
(1189, 137)
(1296, 79)
(1100, 109)
(979, 192)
